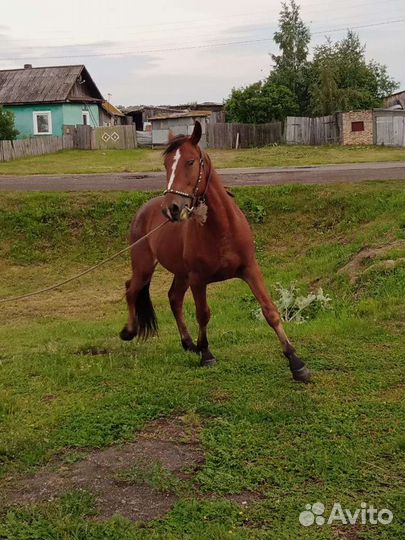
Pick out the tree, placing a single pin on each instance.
(7, 129)
(260, 102)
(291, 65)
(338, 78)
(343, 80)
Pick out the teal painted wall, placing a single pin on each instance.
(24, 120)
(62, 114)
(72, 114)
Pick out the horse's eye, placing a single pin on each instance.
(190, 162)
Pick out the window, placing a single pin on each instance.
(357, 126)
(86, 118)
(42, 122)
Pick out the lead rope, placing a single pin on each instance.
(88, 270)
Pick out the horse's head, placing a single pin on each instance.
(185, 174)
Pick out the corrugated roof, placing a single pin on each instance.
(190, 114)
(44, 84)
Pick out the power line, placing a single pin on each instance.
(191, 47)
(186, 23)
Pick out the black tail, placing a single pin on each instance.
(147, 324)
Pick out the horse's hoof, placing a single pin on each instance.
(126, 335)
(208, 362)
(302, 375)
(189, 346)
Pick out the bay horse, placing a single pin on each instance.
(207, 239)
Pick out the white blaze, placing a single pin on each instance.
(174, 167)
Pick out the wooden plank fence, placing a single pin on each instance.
(84, 137)
(312, 131)
(227, 135)
(144, 138)
(115, 137)
(80, 137)
(37, 146)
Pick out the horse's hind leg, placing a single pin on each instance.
(176, 298)
(137, 294)
(254, 279)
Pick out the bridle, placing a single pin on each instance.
(195, 198)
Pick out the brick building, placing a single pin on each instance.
(357, 127)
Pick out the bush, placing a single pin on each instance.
(7, 128)
(260, 103)
(295, 307)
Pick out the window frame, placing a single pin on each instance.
(357, 125)
(35, 115)
(87, 115)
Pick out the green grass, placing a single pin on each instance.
(142, 159)
(154, 475)
(338, 440)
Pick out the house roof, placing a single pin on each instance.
(401, 92)
(111, 109)
(46, 85)
(189, 114)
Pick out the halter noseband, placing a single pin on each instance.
(194, 197)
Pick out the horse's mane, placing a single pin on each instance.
(175, 143)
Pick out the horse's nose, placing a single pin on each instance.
(175, 211)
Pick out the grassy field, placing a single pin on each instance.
(69, 386)
(143, 159)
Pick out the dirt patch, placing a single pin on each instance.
(351, 532)
(355, 267)
(171, 444)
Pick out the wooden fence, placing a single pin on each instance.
(38, 146)
(115, 137)
(316, 131)
(80, 137)
(103, 138)
(144, 138)
(223, 135)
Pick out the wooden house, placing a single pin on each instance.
(45, 99)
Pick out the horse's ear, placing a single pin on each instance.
(171, 136)
(197, 132)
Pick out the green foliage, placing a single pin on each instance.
(7, 129)
(260, 102)
(291, 64)
(295, 307)
(256, 213)
(155, 475)
(341, 79)
(338, 78)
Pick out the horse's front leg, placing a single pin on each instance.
(176, 298)
(203, 316)
(254, 278)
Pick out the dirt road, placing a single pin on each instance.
(355, 172)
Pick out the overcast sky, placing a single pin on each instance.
(162, 52)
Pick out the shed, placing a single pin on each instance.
(395, 101)
(140, 114)
(110, 115)
(179, 124)
(45, 99)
